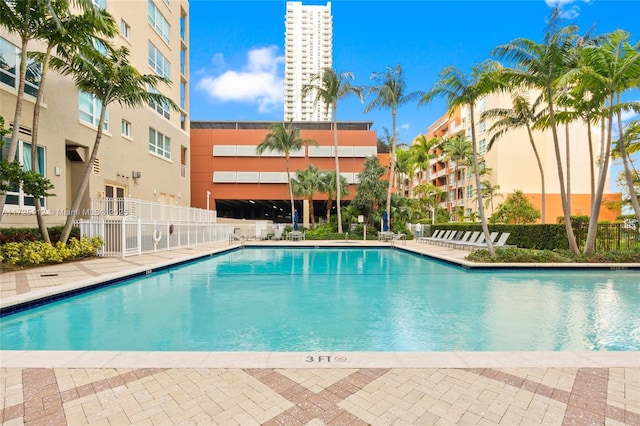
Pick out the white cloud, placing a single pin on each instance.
(568, 10)
(256, 83)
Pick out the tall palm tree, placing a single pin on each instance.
(65, 31)
(459, 89)
(390, 92)
(405, 168)
(612, 67)
(329, 87)
(423, 148)
(109, 78)
(460, 151)
(541, 65)
(284, 139)
(305, 184)
(521, 114)
(26, 18)
(328, 185)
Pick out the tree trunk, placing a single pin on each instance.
(290, 189)
(573, 245)
(392, 158)
(568, 159)
(312, 213)
(602, 177)
(476, 171)
(592, 172)
(13, 144)
(627, 169)
(329, 206)
(543, 201)
(34, 144)
(77, 199)
(337, 157)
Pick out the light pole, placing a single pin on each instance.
(208, 195)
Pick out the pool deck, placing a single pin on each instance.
(245, 388)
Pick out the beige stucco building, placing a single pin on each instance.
(144, 152)
(511, 164)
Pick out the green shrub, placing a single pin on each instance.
(37, 252)
(513, 255)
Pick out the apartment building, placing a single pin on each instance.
(511, 165)
(144, 152)
(308, 50)
(228, 175)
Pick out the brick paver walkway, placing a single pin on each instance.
(71, 394)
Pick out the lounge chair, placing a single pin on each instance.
(296, 235)
(463, 239)
(482, 244)
(277, 234)
(452, 237)
(471, 239)
(502, 241)
(436, 234)
(440, 237)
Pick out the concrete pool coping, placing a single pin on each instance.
(128, 269)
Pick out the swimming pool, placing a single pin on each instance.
(340, 299)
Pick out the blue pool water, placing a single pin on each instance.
(351, 299)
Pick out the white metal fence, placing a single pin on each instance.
(132, 227)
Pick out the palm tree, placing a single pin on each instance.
(522, 114)
(64, 31)
(423, 148)
(458, 150)
(390, 93)
(431, 196)
(26, 18)
(612, 67)
(109, 78)
(329, 87)
(284, 139)
(327, 184)
(541, 65)
(405, 168)
(459, 89)
(305, 184)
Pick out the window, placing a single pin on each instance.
(470, 191)
(183, 90)
(157, 62)
(451, 195)
(15, 195)
(125, 29)
(161, 108)
(482, 126)
(159, 143)
(102, 4)
(183, 25)
(10, 66)
(482, 104)
(100, 47)
(158, 22)
(90, 108)
(482, 146)
(183, 55)
(126, 128)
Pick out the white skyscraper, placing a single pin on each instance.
(308, 50)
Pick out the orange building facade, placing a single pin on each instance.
(228, 176)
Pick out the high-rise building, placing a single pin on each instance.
(308, 50)
(144, 151)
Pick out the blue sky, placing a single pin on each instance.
(237, 49)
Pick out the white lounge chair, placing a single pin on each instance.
(471, 239)
(483, 243)
(502, 241)
(463, 239)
